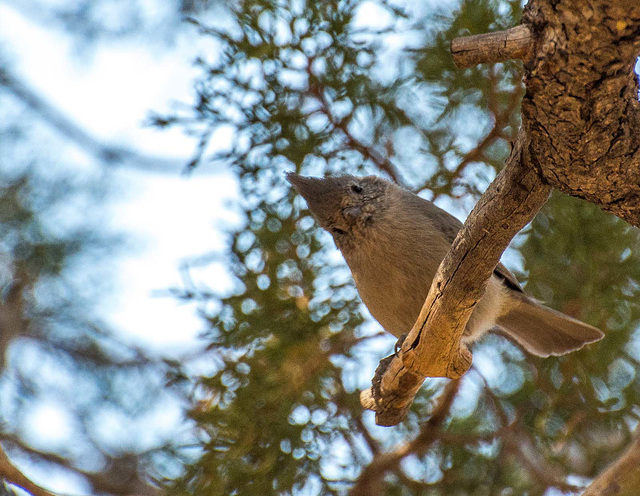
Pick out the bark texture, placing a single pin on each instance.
(433, 348)
(581, 105)
(514, 43)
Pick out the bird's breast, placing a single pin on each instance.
(393, 285)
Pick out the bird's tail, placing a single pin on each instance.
(543, 331)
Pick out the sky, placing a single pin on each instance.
(166, 217)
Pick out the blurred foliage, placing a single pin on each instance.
(321, 88)
(90, 22)
(57, 358)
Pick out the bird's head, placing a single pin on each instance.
(346, 206)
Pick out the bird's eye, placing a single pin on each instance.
(356, 188)
(335, 230)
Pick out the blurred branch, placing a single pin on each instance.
(370, 482)
(109, 154)
(477, 154)
(520, 448)
(351, 142)
(12, 475)
(513, 43)
(622, 478)
(12, 320)
(121, 476)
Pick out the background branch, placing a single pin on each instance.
(370, 481)
(622, 478)
(10, 473)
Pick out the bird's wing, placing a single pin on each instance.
(449, 227)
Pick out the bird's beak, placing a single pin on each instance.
(323, 195)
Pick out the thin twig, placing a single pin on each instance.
(351, 141)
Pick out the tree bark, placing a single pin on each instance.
(581, 105)
(514, 43)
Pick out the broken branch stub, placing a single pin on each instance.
(514, 43)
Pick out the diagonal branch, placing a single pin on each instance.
(622, 478)
(121, 476)
(580, 117)
(10, 473)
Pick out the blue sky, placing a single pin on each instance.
(166, 216)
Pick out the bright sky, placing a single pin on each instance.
(110, 93)
(166, 217)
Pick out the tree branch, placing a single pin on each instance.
(580, 117)
(121, 477)
(581, 105)
(622, 478)
(514, 43)
(12, 475)
(369, 482)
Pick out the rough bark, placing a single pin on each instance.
(581, 104)
(433, 348)
(579, 133)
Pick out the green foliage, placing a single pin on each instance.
(308, 87)
(277, 400)
(56, 255)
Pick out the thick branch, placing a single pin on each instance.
(620, 479)
(433, 347)
(579, 133)
(581, 103)
(514, 43)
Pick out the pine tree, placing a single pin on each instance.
(310, 87)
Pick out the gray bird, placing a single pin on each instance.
(394, 241)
